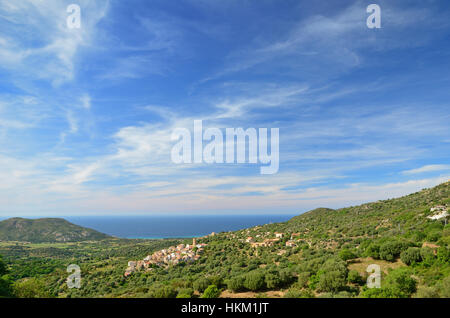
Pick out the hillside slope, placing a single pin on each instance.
(385, 218)
(46, 230)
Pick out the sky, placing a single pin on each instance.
(86, 114)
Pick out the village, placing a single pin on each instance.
(171, 256)
(439, 212)
(191, 252)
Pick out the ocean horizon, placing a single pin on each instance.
(171, 226)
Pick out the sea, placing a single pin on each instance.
(171, 226)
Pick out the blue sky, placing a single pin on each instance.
(86, 114)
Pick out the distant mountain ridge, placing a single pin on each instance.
(46, 230)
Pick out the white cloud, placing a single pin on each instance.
(427, 168)
(57, 45)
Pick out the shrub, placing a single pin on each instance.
(426, 292)
(346, 254)
(427, 255)
(303, 279)
(411, 256)
(185, 293)
(211, 292)
(254, 281)
(373, 250)
(434, 235)
(443, 255)
(390, 250)
(444, 288)
(236, 283)
(201, 284)
(332, 281)
(401, 283)
(30, 288)
(297, 293)
(272, 280)
(163, 292)
(354, 277)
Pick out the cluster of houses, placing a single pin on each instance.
(440, 211)
(170, 256)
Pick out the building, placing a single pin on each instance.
(438, 208)
(291, 244)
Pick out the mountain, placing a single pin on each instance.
(46, 230)
(385, 218)
(320, 253)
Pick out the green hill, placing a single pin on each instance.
(405, 217)
(46, 230)
(320, 253)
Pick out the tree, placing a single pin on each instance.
(236, 283)
(163, 292)
(30, 288)
(390, 250)
(373, 250)
(346, 254)
(211, 292)
(411, 256)
(332, 281)
(272, 280)
(201, 284)
(443, 254)
(185, 293)
(297, 293)
(5, 283)
(303, 279)
(400, 283)
(355, 278)
(427, 255)
(254, 280)
(2, 267)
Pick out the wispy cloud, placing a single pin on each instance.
(427, 168)
(86, 115)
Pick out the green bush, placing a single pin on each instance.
(391, 250)
(401, 283)
(185, 293)
(355, 278)
(272, 280)
(346, 254)
(297, 293)
(426, 292)
(5, 283)
(236, 283)
(444, 287)
(373, 250)
(30, 288)
(254, 280)
(411, 256)
(163, 292)
(332, 281)
(427, 255)
(211, 292)
(201, 284)
(303, 279)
